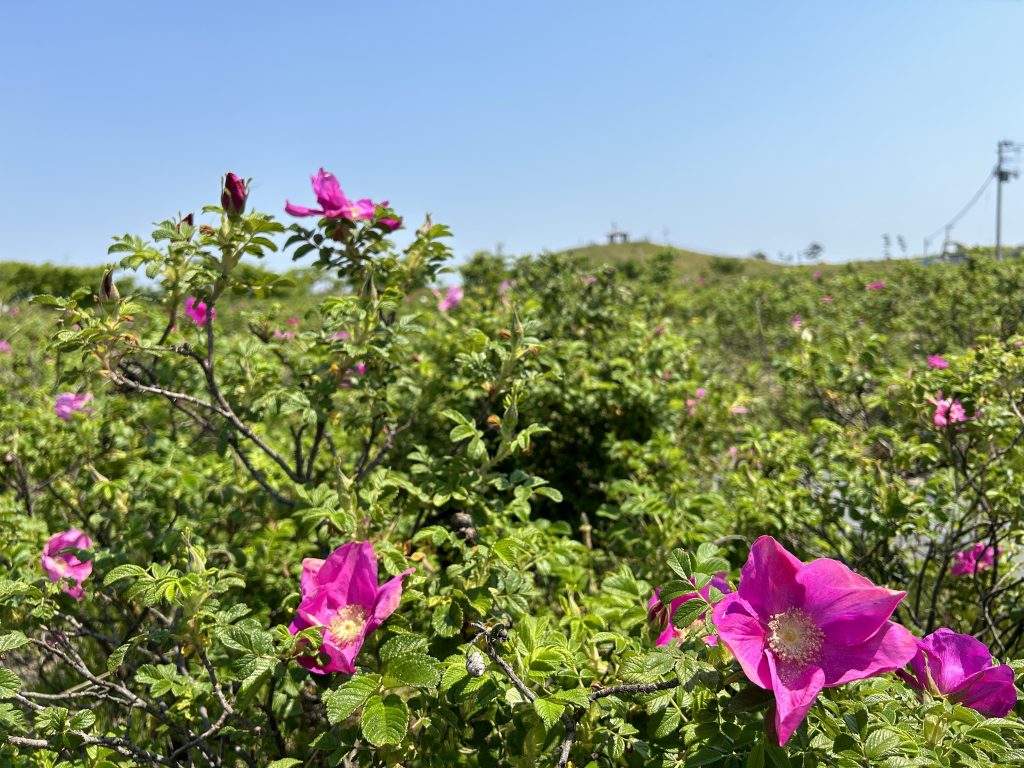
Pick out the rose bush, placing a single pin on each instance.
(336, 518)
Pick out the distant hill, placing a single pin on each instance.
(688, 263)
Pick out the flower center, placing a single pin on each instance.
(794, 636)
(347, 624)
(60, 564)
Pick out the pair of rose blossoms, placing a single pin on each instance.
(794, 627)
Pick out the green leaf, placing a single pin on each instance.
(548, 710)
(347, 698)
(447, 619)
(756, 757)
(11, 640)
(10, 684)
(415, 669)
(126, 571)
(82, 720)
(681, 563)
(285, 762)
(385, 720)
(879, 742)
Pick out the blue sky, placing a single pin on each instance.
(721, 126)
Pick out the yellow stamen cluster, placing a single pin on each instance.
(347, 624)
(795, 637)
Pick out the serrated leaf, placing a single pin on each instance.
(681, 563)
(879, 742)
(384, 721)
(417, 669)
(285, 762)
(548, 710)
(11, 640)
(350, 696)
(447, 619)
(10, 683)
(125, 571)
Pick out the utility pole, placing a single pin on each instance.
(1004, 149)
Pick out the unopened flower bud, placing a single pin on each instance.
(427, 225)
(188, 220)
(476, 665)
(494, 421)
(108, 291)
(233, 195)
(505, 333)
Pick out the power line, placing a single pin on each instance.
(963, 211)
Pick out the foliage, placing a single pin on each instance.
(545, 453)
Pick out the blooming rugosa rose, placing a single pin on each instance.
(334, 204)
(59, 564)
(67, 403)
(341, 595)
(452, 298)
(937, 361)
(5, 347)
(947, 410)
(796, 628)
(875, 286)
(233, 194)
(979, 557)
(197, 310)
(657, 614)
(960, 668)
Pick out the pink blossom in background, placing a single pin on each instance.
(960, 668)
(339, 335)
(506, 285)
(796, 628)
(67, 403)
(817, 274)
(335, 205)
(341, 595)
(66, 565)
(691, 403)
(826, 299)
(5, 347)
(197, 310)
(947, 410)
(937, 361)
(293, 321)
(666, 375)
(452, 298)
(588, 279)
(875, 286)
(796, 322)
(979, 557)
(358, 370)
(701, 392)
(739, 410)
(700, 281)
(662, 619)
(14, 311)
(283, 335)
(388, 223)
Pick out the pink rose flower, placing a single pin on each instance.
(875, 286)
(662, 619)
(937, 361)
(67, 403)
(947, 410)
(960, 668)
(341, 595)
(5, 347)
(197, 310)
(60, 564)
(739, 410)
(334, 204)
(796, 322)
(979, 557)
(796, 628)
(826, 299)
(452, 298)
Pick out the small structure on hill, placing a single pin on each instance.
(617, 236)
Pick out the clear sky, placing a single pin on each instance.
(720, 126)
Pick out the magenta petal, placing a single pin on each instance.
(328, 191)
(990, 691)
(891, 648)
(744, 636)
(300, 210)
(768, 579)
(350, 572)
(310, 568)
(388, 598)
(950, 658)
(846, 606)
(795, 690)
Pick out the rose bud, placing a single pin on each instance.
(108, 291)
(233, 195)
